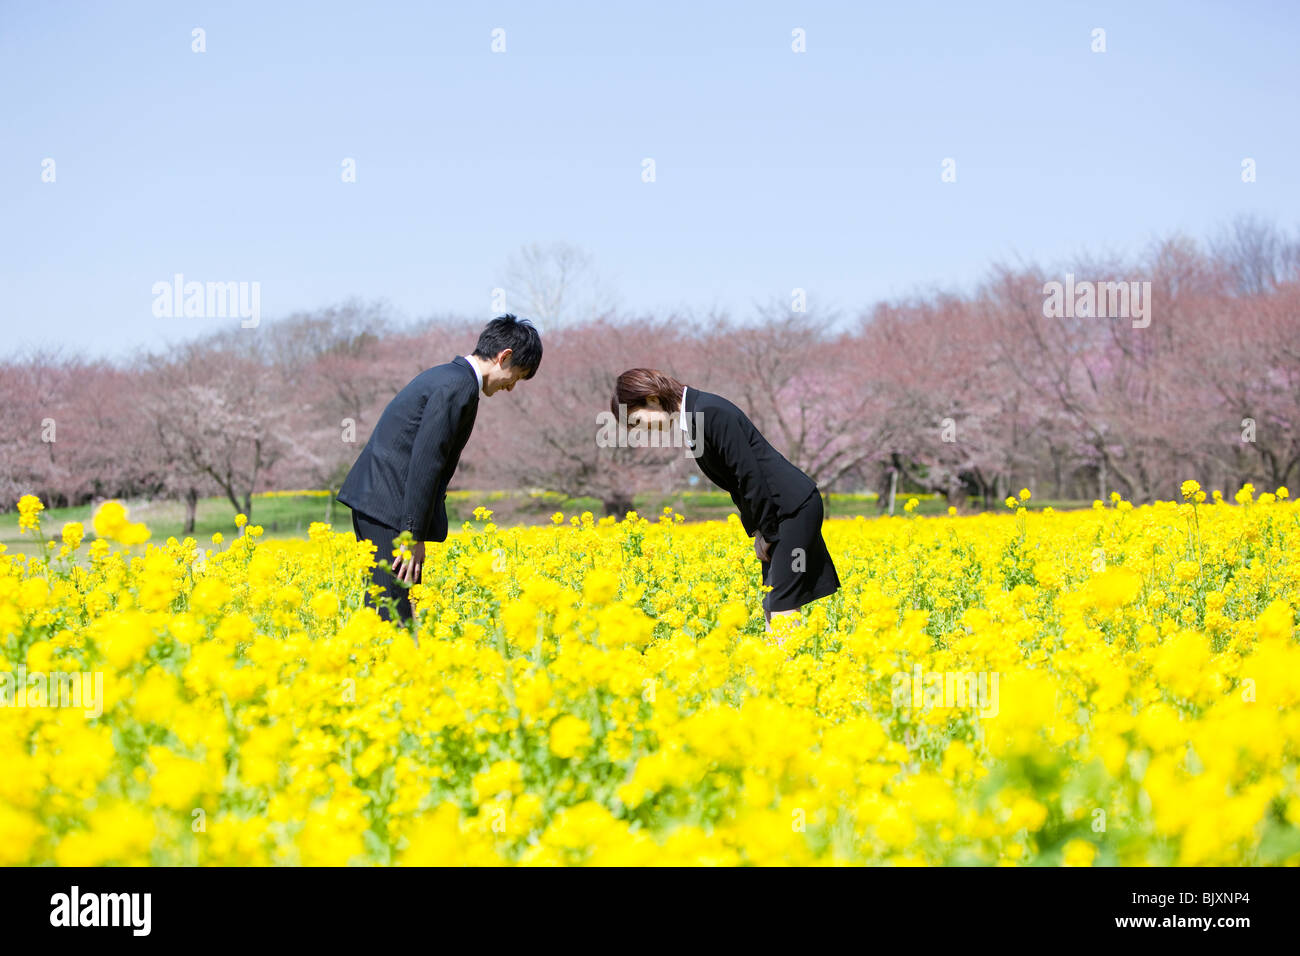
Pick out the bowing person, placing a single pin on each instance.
(399, 481)
(780, 506)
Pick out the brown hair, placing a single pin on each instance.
(637, 384)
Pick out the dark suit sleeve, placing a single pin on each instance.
(758, 509)
(429, 453)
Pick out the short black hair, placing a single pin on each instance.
(519, 335)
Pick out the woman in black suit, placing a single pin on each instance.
(779, 505)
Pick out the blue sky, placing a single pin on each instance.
(774, 170)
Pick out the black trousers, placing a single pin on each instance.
(368, 529)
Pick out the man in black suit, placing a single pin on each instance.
(399, 481)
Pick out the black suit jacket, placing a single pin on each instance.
(400, 478)
(734, 456)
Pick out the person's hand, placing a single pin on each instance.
(408, 569)
(762, 547)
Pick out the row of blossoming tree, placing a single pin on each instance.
(966, 394)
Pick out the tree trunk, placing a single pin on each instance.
(952, 495)
(191, 509)
(617, 503)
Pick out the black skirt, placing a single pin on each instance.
(799, 568)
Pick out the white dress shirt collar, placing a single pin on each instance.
(681, 422)
(477, 374)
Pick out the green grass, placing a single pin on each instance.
(280, 517)
(289, 517)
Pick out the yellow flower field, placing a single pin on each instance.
(1114, 686)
